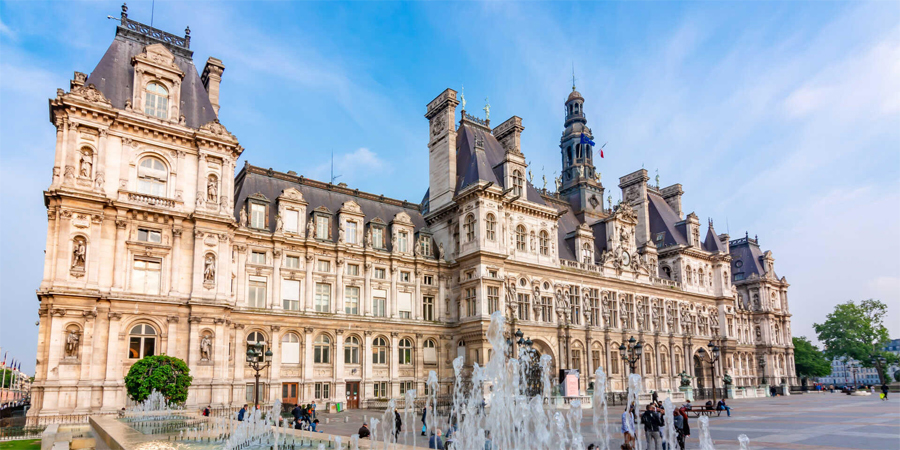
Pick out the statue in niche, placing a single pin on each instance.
(441, 251)
(209, 269)
(206, 348)
(368, 238)
(212, 190)
(310, 228)
(341, 233)
(279, 223)
(243, 216)
(394, 242)
(72, 344)
(86, 164)
(758, 334)
(79, 251)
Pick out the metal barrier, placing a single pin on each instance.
(16, 433)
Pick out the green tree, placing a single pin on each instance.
(897, 375)
(809, 361)
(168, 375)
(6, 378)
(856, 331)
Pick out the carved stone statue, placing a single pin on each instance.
(368, 238)
(394, 242)
(727, 378)
(212, 191)
(72, 344)
(341, 233)
(98, 183)
(209, 268)
(310, 228)
(685, 378)
(558, 182)
(85, 165)
(243, 217)
(205, 348)
(441, 251)
(279, 223)
(79, 251)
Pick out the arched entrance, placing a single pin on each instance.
(699, 375)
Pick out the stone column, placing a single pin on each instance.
(201, 181)
(366, 356)
(223, 268)
(197, 265)
(439, 306)
(63, 243)
(94, 256)
(57, 342)
(275, 371)
(240, 356)
(220, 382)
(62, 127)
(175, 260)
(113, 364)
(392, 301)
(338, 377)
(121, 258)
(241, 289)
(276, 281)
(70, 154)
(308, 356)
(417, 300)
(394, 364)
(172, 332)
(52, 249)
(100, 162)
(366, 299)
(310, 283)
(193, 342)
(339, 287)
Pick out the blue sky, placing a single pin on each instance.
(779, 118)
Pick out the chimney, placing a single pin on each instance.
(509, 134)
(211, 78)
(672, 196)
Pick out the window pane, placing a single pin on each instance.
(149, 346)
(291, 221)
(257, 216)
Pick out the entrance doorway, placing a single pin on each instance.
(289, 393)
(352, 395)
(698, 373)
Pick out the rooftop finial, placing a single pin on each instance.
(657, 178)
(573, 75)
(124, 11)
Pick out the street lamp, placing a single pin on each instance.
(712, 357)
(880, 362)
(258, 361)
(631, 354)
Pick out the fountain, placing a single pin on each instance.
(705, 440)
(744, 441)
(598, 401)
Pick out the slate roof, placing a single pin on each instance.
(663, 219)
(475, 165)
(252, 180)
(746, 258)
(114, 75)
(712, 242)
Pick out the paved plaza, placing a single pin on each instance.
(812, 421)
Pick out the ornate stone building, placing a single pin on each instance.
(154, 246)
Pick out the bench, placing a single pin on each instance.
(698, 411)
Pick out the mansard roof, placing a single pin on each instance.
(474, 165)
(664, 219)
(746, 258)
(712, 242)
(114, 75)
(252, 180)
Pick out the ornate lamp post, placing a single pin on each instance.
(258, 361)
(631, 354)
(712, 357)
(529, 363)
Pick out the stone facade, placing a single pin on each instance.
(154, 246)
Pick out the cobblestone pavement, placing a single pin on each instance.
(808, 422)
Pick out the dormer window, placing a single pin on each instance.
(257, 215)
(156, 102)
(587, 254)
(351, 232)
(470, 228)
(425, 245)
(518, 182)
(545, 242)
(322, 227)
(377, 236)
(403, 242)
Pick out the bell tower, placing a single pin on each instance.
(580, 183)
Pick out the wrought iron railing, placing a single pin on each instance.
(707, 393)
(159, 35)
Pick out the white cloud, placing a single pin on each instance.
(5, 31)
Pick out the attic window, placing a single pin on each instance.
(660, 236)
(156, 101)
(738, 263)
(518, 182)
(738, 276)
(257, 215)
(323, 226)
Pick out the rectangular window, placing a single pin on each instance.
(323, 297)
(595, 359)
(256, 297)
(251, 392)
(379, 273)
(425, 245)
(290, 294)
(145, 235)
(576, 359)
(291, 221)
(470, 274)
(378, 307)
(322, 227)
(352, 270)
(146, 276)
(351, 300)
(257, 257)
(351, 232)
(493, 297)
(257, 215)
(405, 314)
(523, 306)
(404, 277)
(292, 262)
(428, 280)
(378, 237)
(471, 306)
(403, 242)
(492, 274)
(546, 309)
(614, 362)
(323, 266)
(428, 308)
(381, 389)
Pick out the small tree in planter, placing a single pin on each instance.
(168, 375)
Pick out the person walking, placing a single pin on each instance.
(628, 425)
(398, 425)
(241, 413)
(651, 421)
(722, 406)
(364, 432)
(685, 427)
(435, 441)
(296, 413)
(884, 391)
(424, 415)
(206, 411)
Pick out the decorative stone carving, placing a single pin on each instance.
(243, 217)
(209, 270)
(72, 340)
(212, 190)
(90, 93)
(79, 252)
(206, 347)
(86, 164)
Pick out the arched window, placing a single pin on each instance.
(461, 349)
(520, 238)
(578, 154)
(379, 351)
(141, 341)
(667, 272)
(518, 183)
(290, 349)
(490, 227)
(257, 338)
(587, 255)
(544, 242)
(322, 350)
(648, 360)
(662, 361)
(470, 228)
(156, 102)
(569, 155)
(405, 351)
(152, 177)
(430, 352)
(351, 350)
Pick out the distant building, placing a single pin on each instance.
(850, 372)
